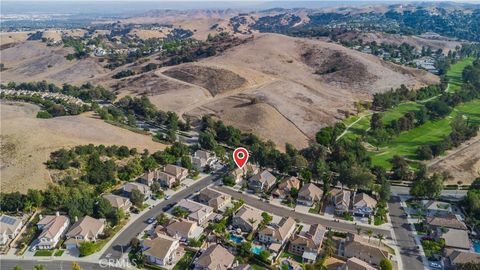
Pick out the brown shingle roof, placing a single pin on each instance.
(87, 227)
(159, 246)
(215, 257)
(449, 221)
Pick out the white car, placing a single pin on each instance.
(435, 265)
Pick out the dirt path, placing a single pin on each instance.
(349, 126)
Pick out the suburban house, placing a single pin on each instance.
(202, 158)
(278, 233)
(149, 177)
(215, 257)
(161, 250)
(240, 173)
(449, 221)
(184, 229)
(53, 227)
(247, 218)
(130, 186)
(214, 199)
(341, 201)
(308, 245)
(363, 205)
(178, 172)
(85, 229)
(356, 264)
(9, 228)
(285, 186)
(167, 180)
(309, 194)
(454, 238)
(358, 247)
(170, 176)
(197, 212)
(437, 208)
(118, 202)
(262, 181)
(456, 257)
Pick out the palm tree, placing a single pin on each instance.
(252, 221)
(370, 234)
(380, 238)
(359, 230)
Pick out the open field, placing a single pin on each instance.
(433, 131)
(29, 61)
(454, 74)
(26, 142)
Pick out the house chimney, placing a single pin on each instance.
(57, 213)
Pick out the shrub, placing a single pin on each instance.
(44, 115)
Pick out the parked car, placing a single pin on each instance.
(167, 207)
(435, 265)
(150, 220)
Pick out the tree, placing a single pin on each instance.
(380, 238)
(376, 123)
(266, 218)
(325, 136)
(162, 219)
(400, 167)
(264, 255)
(87, 248)
(137, 198)
(207, 140)
(36, 197)
(179, 212)
(39, 267)
(370, 234)
(386, 264)
(186, 162)
(229, 181)
(76, 266)
(102, 208)
(245, 248)
(17, 267)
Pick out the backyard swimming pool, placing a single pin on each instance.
(256, 249)
(476, 246)
(237, 239)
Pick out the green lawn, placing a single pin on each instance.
(400, 111)
(59, 252)
(43, 252)
(454, 74)
(406, 143)
(184, 261)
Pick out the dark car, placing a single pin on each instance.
(167, 207)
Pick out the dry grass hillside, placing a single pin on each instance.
(304, 83)
(34, 61)
(215, 80)
(416, 41)
(26, 142)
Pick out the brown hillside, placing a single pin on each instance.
(308, 82)
(215, 80)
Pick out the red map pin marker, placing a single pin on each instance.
(240, 156)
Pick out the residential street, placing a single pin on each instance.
(409, 253)
(114, 251)
(306, 218)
